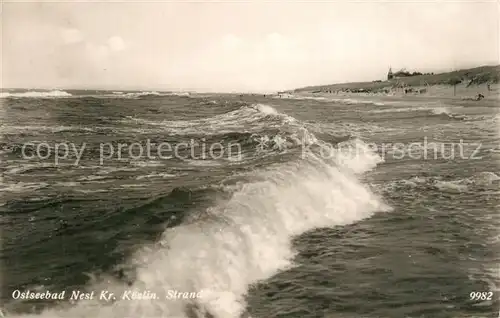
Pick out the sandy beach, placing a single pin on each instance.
(461, 93)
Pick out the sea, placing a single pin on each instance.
(190, 205)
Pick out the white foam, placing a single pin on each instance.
(266, 109)
(345, 129)
(398, 109)
(156, 175)
(34, 128)
(440, 111)
(152, 163)
(352, 101)
(18, 187)
(203, 163)
(250, 117)
(357, 156)
(110, 169)
(140, 94)
(481, 179)
(23, 167)
(35, 94)
(143, 94)
(89, 191)
(451, 186)
(179, 94)
(91, 178)
(68, 184)
(484, 178)
(240, 241)
(133, 185)
(290, 96)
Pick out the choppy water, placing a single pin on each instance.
(282, 218)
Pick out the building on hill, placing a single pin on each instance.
(390, 75)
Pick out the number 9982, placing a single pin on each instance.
(481, 295)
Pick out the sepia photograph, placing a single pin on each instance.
(250, 159)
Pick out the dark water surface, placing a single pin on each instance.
(301, 208)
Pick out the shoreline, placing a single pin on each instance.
(471, 84)
(461, 93)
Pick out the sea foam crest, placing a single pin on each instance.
(120, 94)
(140, 94)
(35, 94)
(249, 118)
(237, 242)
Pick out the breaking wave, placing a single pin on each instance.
(61, 94)
(35, 94)
(428, 110)
(246, 118)
(146, 94)
(246, 235)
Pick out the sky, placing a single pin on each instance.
(252, 46)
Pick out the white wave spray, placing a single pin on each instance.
(34, 94)
(238, 242)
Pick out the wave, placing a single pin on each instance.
(347, 101)
(146, 94)
(18, 187)
(250, 118)
(21, 168)
(347, 129)
(225, 249)
(398, 110)
(115, 94)
(356, 156)
(259, 130)
(245, 236)
(352, 101)
(8, 129)
(454, 186)
(156, 175)
(35, 94)
(290, 96)
(137, 95)
(481, 180)
(178, 94)
(437, 111)
(440, 111)
(448, 113)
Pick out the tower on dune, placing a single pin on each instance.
(389, 74)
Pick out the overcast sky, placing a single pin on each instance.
(252, 46)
